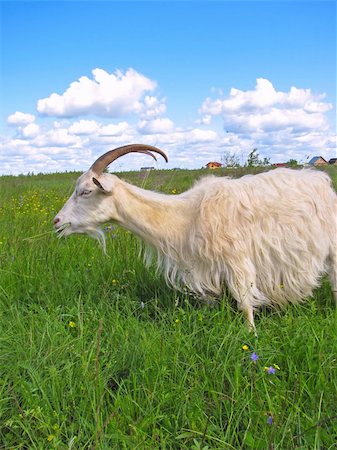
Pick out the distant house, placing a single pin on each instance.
(317, 161)
(280, 164)
(147, 168)
(213, 165)
(333, 161)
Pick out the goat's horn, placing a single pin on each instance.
(103, 161)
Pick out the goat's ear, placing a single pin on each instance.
(104, 189)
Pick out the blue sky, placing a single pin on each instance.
(199, 79)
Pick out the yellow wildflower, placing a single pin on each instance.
(50, 437)
(72, 324)
(245, 348)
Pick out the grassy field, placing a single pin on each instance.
(97, 352)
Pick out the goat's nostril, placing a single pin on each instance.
(56, 220)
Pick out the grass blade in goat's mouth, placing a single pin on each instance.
(60, 231)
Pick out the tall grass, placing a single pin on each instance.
(98, 353)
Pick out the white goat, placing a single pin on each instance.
(268, 237)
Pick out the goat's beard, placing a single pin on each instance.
(96, 233)
(99, 235)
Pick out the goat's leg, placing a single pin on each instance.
(249, 313)
(249, 297)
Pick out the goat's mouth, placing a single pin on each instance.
(62, 230)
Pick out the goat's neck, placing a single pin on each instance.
(150, 215)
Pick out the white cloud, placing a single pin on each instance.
(156, 126)
(326, 141)
(196, 136)
(114, 129)
(20, 119)
(107, 94)
(205, 120)
(57, 137)
(153, 107)
(31, 130)
(84, 127)
(265, 109)
(274, 119)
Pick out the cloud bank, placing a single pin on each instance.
(68, 130)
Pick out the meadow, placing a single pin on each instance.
(96, 352)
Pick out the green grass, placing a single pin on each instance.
(97, 352)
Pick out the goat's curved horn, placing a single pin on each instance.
(103, 161)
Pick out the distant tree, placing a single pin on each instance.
(254, 160)
(230, 159)
(292, 163)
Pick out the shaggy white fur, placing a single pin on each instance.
(268, 237)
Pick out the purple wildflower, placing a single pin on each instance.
(109, 228)
(254, 357)
(270, 420)
(270, 370)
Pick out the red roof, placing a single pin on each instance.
(214, 164)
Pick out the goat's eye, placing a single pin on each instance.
(85, 193)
